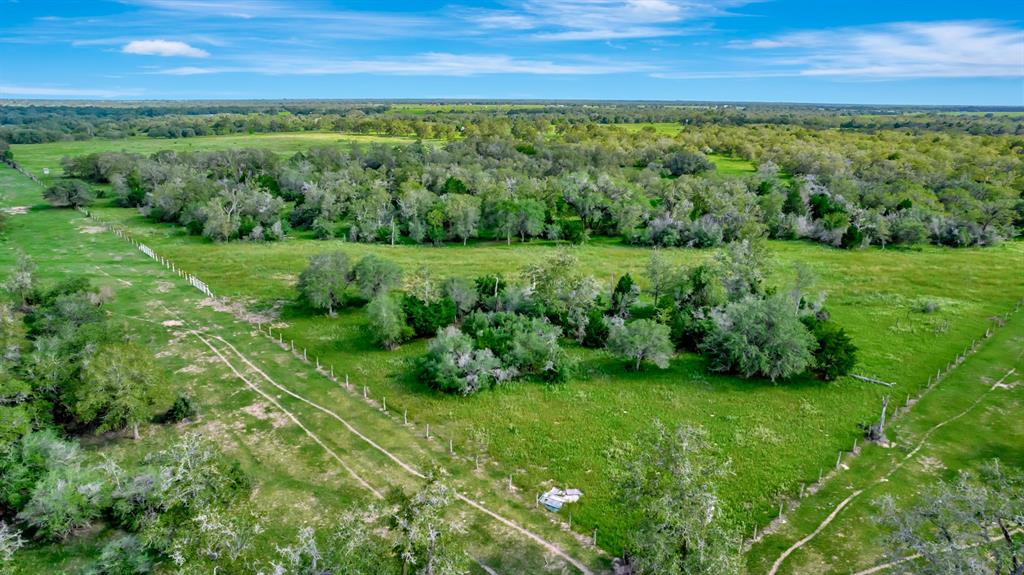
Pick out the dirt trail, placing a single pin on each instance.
(842, 504)
(291, 416)
(551, 547)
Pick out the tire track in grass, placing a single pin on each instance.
(842, 504)
(551, 547)
(291, 416)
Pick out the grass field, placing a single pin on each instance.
(971, 416)
(297, 481)
(777, 436)
(35, 157)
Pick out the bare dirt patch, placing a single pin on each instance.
(92, 229)
(164, 287)
(240, 309)
(15, 210)
(172, 323)
(191, 369)
(262, 411)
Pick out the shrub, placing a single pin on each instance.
(426, 318)
(125, 555)
(69, 194)
(680, 163)
(639, 341)
(835, 354)
(453, 366)
(755, 336)
(180, 410)
(23, 465)
(624, 296)
(387, 321)
(595, 335)
(66, 499)
(528, 345)
(852, 238)
(689, 328)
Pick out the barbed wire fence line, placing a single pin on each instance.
(325, 370)
(789, 503)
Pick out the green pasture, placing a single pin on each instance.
(297, 482)
(777, 435)
(35, 157)
(982, 423)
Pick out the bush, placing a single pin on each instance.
(595, 335)
(69, 194)
(688, 328)
(387, 321)
(66, 499)
(681, 163)
(759, 337)
(23, 465)
(836, 354)
(180, 410)
(453, 366)
(426, 319)
(125, 555)
(527, 345)
(639, 341)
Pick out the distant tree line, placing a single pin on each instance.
(31, 123)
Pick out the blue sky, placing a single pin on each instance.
(898, 52)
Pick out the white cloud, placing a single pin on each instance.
(244, 9)
(583, 20)
(429, 64)
(48, 91)
(163, 48)
(959, 49)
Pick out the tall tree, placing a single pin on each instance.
(22, 280)
(376, 275)
(324, 283)
(668, 478)
(120, 387)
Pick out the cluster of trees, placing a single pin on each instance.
(845, 189)
(494, 330)
(66, 364)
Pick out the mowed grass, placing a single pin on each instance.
(297, 483)
(980, 421)
(776, 435)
